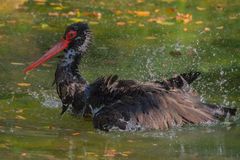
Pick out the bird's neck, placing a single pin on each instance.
(71, 58)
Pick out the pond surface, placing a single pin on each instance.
(142, 40)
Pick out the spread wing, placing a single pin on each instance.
(157, 105)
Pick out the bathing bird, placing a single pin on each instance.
(128, 105)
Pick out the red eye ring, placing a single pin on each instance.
(71, 34)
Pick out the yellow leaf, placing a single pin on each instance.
(58, 8)
(20, 117)
(76, 134)
(121, 23)
(54, 14)
(206, 29)
(93, 22)
(23, 84)
(232, 17)
(23, 154)
(150, 37)
(142, 13)
(76, 19)
(186, 18)
(199, 22)
(219, 27)
(110, 153)
(17, 64)
(200, 8)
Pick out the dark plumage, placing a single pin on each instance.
(128, 104)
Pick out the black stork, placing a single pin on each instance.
(125, 104)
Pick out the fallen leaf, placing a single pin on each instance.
(232, 17)
(140, 1)
(199, 22)
(23, 84)
(186, 18)
(110, 153)
(142, 13)
(93, 22)
(185, 29)
(58, 8)
(12, 21)
(76, 19)
(131, 22)
(23, 154)
(150, 38)
(75, 134)
(200, 8)
(18, 127)
(118, 12)
(44, 25)
(140, 25)
(19, 111)
(17, 63)
(157, 10)
(121, 23)
(54, 14)
(170, 10)
(206, 29)
(20, 117)
(219, 27)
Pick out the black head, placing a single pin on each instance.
(77, 38)
(79, 35)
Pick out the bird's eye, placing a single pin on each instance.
(71, 34)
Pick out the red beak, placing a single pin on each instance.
(60, 46)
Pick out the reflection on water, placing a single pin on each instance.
(143, 40)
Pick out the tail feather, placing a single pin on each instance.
(181, 80)
(221, 111)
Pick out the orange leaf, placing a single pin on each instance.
(76, 134)
(142, 13)
(121, 23)
(23, 84)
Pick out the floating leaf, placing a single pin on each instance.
(219, 27)
(206, 29)
(75, 134)
(110, 153)
(23, 154)
(58, 8)
(199, 22)
(93, 22)
(18, 127)
(121, 23)
(142, 13)
(17, 64)
(186, 18)
(232, 17)
(54, 14)
(165, 23)
(23, 84)
(76, 19)
(19, 111)
(44, 25)
(200, 8)
(20, 117)
(170, 10)
(150, 38)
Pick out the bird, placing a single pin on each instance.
(126, 105)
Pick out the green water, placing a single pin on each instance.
(146, 45)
